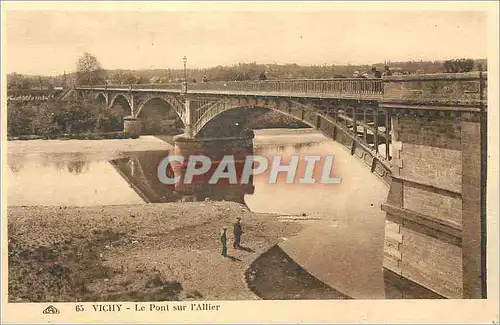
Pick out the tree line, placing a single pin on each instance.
(19, 81)
(57, 117)
(252, 71)
(460, 65)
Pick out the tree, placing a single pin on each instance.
(15, 80)
(459, 65)
(468, 65)
(448, 66)
(126, 78)
(89, 70)
(129, 78)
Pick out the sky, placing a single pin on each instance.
(50, 42)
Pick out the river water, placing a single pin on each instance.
(85, 174)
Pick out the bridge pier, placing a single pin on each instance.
(132, 125)
(188, 119)
(238, 147)
(434, 230)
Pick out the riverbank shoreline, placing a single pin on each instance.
(263, 138)
(150, 252)
(77, 136)
(143, 143)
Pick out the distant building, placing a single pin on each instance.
(155, 80)
(398, 71)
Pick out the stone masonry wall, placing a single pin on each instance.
(442, 88)
(433, 233)
(431, 156)
(426, 193)
(444, 208)
(471, 207)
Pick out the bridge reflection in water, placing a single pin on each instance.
(140, 172)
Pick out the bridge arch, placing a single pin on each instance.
(101, 97)
(158, 115)
(336, 128)
(167, 101)
(210, 116)
(121, 98)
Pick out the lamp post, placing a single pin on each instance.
(184, 59)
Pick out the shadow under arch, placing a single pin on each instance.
(158, 99)
(158, 116)
(122, 101)
(335, 124)
(231, 122)
(101, 98)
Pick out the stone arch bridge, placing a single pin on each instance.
(424, 135)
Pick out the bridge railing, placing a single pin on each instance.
(315, 86)
(340, 86)
(165, 86)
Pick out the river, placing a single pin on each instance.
(112, 172)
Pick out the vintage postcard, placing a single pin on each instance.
(249, 162)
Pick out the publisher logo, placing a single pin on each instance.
(51, 310)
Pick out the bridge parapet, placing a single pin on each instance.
(460, 91)
(338, 88)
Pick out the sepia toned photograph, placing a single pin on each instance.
(168, 161)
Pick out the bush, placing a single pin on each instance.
(58, 117)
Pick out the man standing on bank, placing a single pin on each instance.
(223, 240)
(237, 233)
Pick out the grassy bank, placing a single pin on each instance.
(134, 253)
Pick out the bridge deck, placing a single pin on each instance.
(247, 93)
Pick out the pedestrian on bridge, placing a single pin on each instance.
(387, 71)
(376, 73)
(223, 240)
(237, 231)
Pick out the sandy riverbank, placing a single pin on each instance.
(134, 252)
(144, 143)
